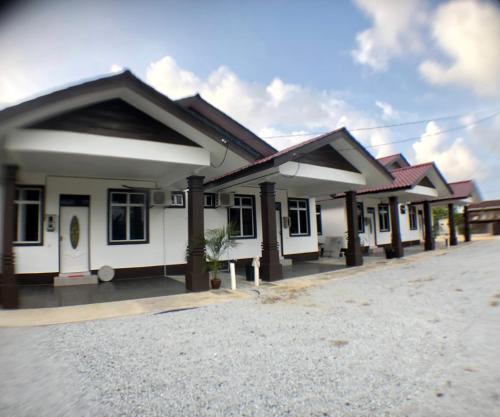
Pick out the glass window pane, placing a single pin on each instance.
(236, 201)
(235, 221)
(118, 198)
(292, 204)
(137, 198)
(247, 222)
(303, 222)
(246, 201)
(118, 223)
(31, 195)
(302, 204)
(32, 222)
(294, 222)
(137, 223)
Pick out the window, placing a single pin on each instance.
(242, 217)
(412, 217)
(298, 210)
(361, 218)
(383, 217)
(209, 200)
(319, 223)
(128, 217)
(28, 218)
(177, 199)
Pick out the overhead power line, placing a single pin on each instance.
(388, 126)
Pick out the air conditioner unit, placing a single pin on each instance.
(160, 198)
(286, 222)
(225, 200)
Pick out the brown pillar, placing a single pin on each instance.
(451, 225)
(353, 255)
(197, 271)
(397, 245)
(429, 238)
(270, 266)
(8, 285)
(466, 225)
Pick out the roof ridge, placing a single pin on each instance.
(389, 156)
(413, 166)
(459, 182)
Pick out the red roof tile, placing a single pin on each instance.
(406, 177)
(462, 189)
(386, 160)
(485, 204)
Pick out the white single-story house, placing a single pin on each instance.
(464, 194)
(113, 173)
(395, 214)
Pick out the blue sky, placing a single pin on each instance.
(286, 67)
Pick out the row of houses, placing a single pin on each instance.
(112, 173)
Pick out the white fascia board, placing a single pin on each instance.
(299, 169)
(59, 142)
(424, 191)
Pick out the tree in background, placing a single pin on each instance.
(439, 213)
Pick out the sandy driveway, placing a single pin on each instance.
(420, 337)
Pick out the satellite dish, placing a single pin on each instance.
(106, 273)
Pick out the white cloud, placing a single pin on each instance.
(396, 29)
(388, 111)
(453, 157)
(15, 87)
(468, 32)
(274, 109)
(115, 68)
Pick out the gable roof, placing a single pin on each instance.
(404, 179)
(488, 204)
(294, 151)
(202, 108)
(388, 160)
(127, 80)
(462, 189)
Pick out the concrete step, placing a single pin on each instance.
(74, 279)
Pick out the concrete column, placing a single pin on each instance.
(451, 225)
(397, 244)
(197, 271)
(8, 284)
(270, 266)
(429, 244)
(354, 256)
(467, 236)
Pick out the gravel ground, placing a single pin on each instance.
(420, 337)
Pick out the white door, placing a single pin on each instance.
(74, 239)
(278, 231)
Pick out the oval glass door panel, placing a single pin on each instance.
(74, 232)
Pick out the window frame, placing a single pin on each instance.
(41, 213)
(110, 222)
(319, 224)
(308, 216)
(412, 211)
(254, 217)
(212, 205)
(180, 206)
(360, 207)
(386, 207)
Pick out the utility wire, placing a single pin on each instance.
(361, 129)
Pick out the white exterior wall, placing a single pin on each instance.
(334, 221)
(168, 234)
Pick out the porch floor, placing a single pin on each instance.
(39, 296)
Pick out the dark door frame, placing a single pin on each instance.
(73, 200)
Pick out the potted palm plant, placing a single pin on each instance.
(217, 243)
